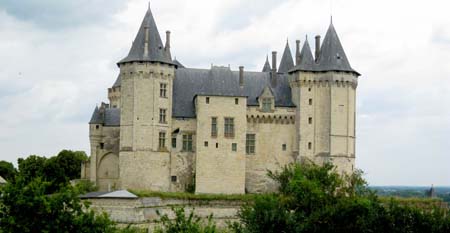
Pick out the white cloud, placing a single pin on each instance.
(51, 79)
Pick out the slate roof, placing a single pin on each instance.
(118, 81)
(332, 56)
(266, 67)
(122, 194)
(286, 62)
(155, 51)
(96, 117)
(106, 116)
(221, 81)
(178, 64)
(306, 58)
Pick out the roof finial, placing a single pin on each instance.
(331, 19)
(148, 5)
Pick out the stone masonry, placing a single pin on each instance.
(168, 127)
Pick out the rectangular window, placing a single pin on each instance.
(229, 127)
(102, 145)
(163, 90)
(187, 142)
(234, 146)
(309, 89)
(267, 104)
(284, 147)
(250, 144)
(217, 145)
(174, 142)
(236, 101)
(213, 126)
(207, 100)
(309, 145)
(310, 120)
(206, 143)
(310, 101)
(162, 140)
(162, 115)
(173, 178)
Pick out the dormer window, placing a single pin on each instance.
(267, 104)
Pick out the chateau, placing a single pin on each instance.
(168, 127)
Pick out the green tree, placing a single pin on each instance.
(317, 199)
(31, 167)
(7, 170)
(29, 207)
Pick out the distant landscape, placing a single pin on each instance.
(442, 192)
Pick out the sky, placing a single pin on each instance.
(59, 57)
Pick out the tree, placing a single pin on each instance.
(7, 170)
(29, 207)
(316, 199)
(184, 223)
(31, 167)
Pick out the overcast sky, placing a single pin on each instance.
(57, 59)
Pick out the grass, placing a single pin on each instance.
(191, 196)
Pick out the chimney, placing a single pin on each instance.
(273, 74)
(297, 52)
(274, 61)
(241, 76)
(167, 40)
(317, 47)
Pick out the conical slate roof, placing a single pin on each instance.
(96, 117)
(287, 62)
(118, 82)
(332, 56)
(306, 59)
(147, 46)
(266, 67)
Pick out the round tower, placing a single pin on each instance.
(324, 91)
(146, 108)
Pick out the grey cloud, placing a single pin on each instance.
(58, 14)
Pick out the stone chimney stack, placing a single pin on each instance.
(167, 40)
(317, 47)
(297, 52)
(273, 75)
(241, 76)
(274, 61)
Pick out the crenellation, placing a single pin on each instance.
(217, 130)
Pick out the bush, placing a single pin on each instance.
(184, 223)
(316, 199)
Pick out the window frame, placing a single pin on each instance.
(162, 140)
(229, 127)
(163, 90)
(162, 116)
(214, 130)
(187, 143)
(250, 143)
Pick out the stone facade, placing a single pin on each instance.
(172, 128)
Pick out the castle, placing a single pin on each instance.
(173, 128)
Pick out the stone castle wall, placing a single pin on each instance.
(142, 212)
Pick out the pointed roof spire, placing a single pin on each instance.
(147, 46)
(332, 56)
(286, 60)
(266, 67)
(118, 82)
(306, 59)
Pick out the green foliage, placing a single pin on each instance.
(58, 170)
(316, 199)
(7, 170)
(85, 186)
(31, 207)
(192, 196)
(184, 223)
